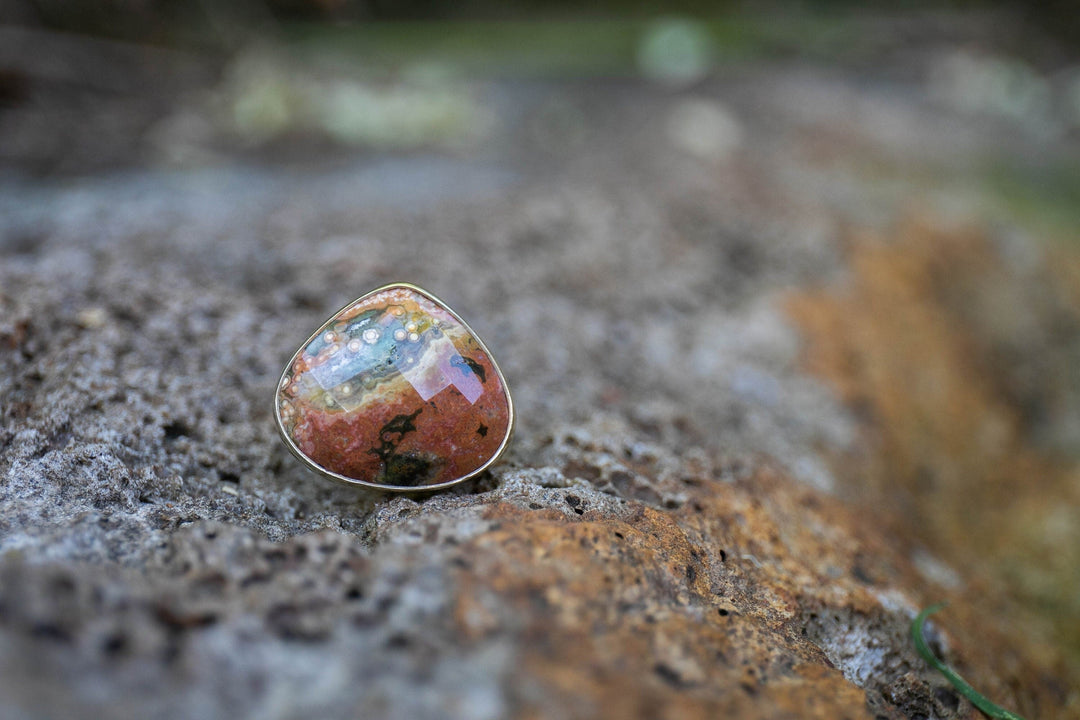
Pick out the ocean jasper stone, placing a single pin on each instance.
(395, 391)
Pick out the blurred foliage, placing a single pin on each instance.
(203, 21)
(673, 48)
(1045, 197)
(265, 97)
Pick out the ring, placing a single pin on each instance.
(395, 392)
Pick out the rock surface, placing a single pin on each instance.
(752, 442)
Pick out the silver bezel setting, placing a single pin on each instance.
(355, 482)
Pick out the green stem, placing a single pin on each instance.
(977, 699)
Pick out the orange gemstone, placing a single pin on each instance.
(396, 392)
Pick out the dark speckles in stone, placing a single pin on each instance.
(398, 641)
(115, 644)
(669, 675)
(947, 698)
(860, 573)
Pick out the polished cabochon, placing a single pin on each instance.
(395, 392)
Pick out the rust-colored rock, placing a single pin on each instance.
(926, 345)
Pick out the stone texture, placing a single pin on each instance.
(395, 390)
(964, 417)
(752, 441)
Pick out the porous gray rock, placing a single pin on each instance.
(663, 539)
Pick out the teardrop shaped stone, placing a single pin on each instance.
(395, 391)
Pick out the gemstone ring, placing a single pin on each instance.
(395, 392)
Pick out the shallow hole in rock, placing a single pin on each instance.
(947, 698)
(862, 575)
(290, 623)
(178, 620)
(398, 641)
(276, 556)
(22, 242)
(254, 578)
(650, 428)
(575, 502)
(62, 585)
(171, 653)
(305, 301)
(581, 470)
(176, 429)
(211, 584)
(50, 631)
(115, 644)
(669, 675)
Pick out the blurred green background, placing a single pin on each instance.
(171, 21)
(86, 87)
